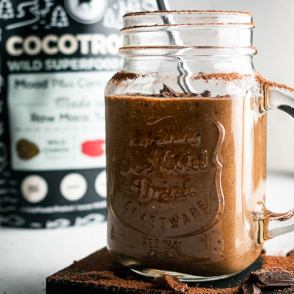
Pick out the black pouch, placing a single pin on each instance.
(56, 58)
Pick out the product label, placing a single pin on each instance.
(56, 58)
(57, 120)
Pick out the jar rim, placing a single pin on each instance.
(186, 12)
(188, 28)
(201, 25)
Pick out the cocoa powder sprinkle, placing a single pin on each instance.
(99, 272)
(123, 76)
(263, 81)
(286, 263)
(187, 24)
(228, 77)
(220, 76)
(186, 12)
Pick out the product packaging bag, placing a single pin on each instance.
(56, 57)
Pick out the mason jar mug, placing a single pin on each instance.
(186, 146)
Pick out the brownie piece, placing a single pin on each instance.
(171, 283)
(272, 277)
(249, 287)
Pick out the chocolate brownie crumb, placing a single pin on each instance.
(249, 287)
(168, 92)
(171, 283)
(272, 277)
(206, 94)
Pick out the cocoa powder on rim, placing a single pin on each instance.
(123, 76)
(228, 77)
(186, 24)
(263, 81)
(186, 12)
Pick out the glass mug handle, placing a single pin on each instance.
(270, 225)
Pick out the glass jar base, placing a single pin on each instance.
(154, 273)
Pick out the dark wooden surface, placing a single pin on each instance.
(66, 281)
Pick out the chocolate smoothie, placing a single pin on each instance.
(182, 187)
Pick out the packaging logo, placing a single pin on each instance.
(86, 11)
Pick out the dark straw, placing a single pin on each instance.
(163, 5)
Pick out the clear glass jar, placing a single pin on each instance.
(186, 146)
